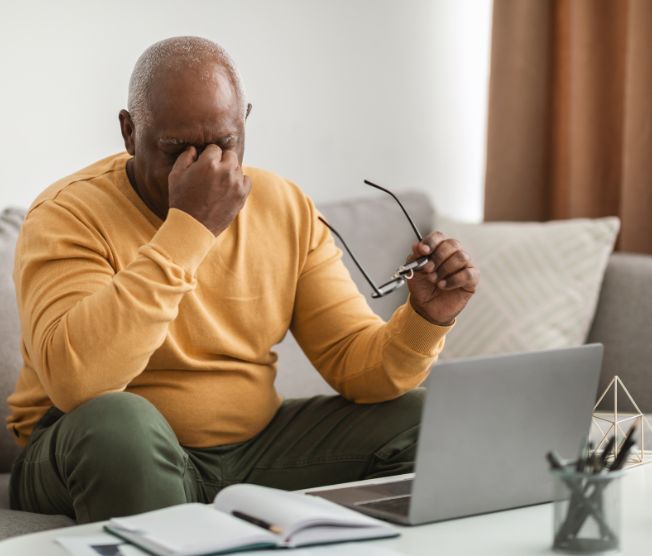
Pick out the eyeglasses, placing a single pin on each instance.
(404, 272)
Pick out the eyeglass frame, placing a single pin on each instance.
(404, 272)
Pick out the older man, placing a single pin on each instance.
(152, 286)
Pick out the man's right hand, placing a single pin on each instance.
(210, 187)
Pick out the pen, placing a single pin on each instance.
(589, 460)
(595, 462)
(607, 450)
(627, 444)
(581, 458)
(259, 522)
(554, 460)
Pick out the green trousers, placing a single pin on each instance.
(117, 455)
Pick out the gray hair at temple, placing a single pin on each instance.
(173, 54)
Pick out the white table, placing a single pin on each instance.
(516, 532)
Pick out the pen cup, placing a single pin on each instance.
(587, 512)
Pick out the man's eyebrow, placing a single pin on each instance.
(178, 141)
(174, 141)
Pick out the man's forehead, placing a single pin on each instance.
(208, 73)
(194, 94)
(195, 127)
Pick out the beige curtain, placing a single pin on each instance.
(570, 113)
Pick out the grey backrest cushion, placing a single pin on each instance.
(623, 323)
(10, 359)
(380, 236)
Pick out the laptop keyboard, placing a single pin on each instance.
(396, 488)
(399, 505)
(392, 496)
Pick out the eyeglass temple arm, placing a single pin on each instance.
(373, 286)
(414, 227)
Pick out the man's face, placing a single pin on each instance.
(184, 110)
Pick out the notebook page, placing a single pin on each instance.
(350, 549)
(289, 510)
(317, 534)
(192, 529)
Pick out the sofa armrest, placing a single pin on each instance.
(623, 323)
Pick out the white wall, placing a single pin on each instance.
(342, 89)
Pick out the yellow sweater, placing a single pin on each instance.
(111, 298)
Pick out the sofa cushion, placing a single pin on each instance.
(4, 491)
(380, 237)
(10, 358)
(14, 523)
(539, 287)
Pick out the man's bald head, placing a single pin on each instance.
(184, 92)
(171, 56)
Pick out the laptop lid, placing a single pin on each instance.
(488, 423)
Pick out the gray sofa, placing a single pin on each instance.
(378, 233)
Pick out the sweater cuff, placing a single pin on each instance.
(422, 336)
(184, 240)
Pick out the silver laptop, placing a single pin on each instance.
(486, 427)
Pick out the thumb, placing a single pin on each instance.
(415, 253)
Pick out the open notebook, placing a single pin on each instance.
(246, 517)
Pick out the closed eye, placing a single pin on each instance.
(227, 142)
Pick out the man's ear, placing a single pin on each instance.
(128, 131)
(249, 107)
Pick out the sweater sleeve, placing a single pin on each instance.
(88, 329)
(362, 357)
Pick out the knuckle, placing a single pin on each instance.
(243, 189)
(439, 260)
(430, 239)
(446, 266)
(463, 256)
(435, 238)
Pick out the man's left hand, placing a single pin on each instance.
(442, 288)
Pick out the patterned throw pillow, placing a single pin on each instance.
(539, 284)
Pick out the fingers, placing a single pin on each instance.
(216, 155)
(211, 151)
(419, 250)
(466, 279)
(458, 260)
(185, 159)
(230, 158)
(246, 185)
(450, 266)
(431, 243)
